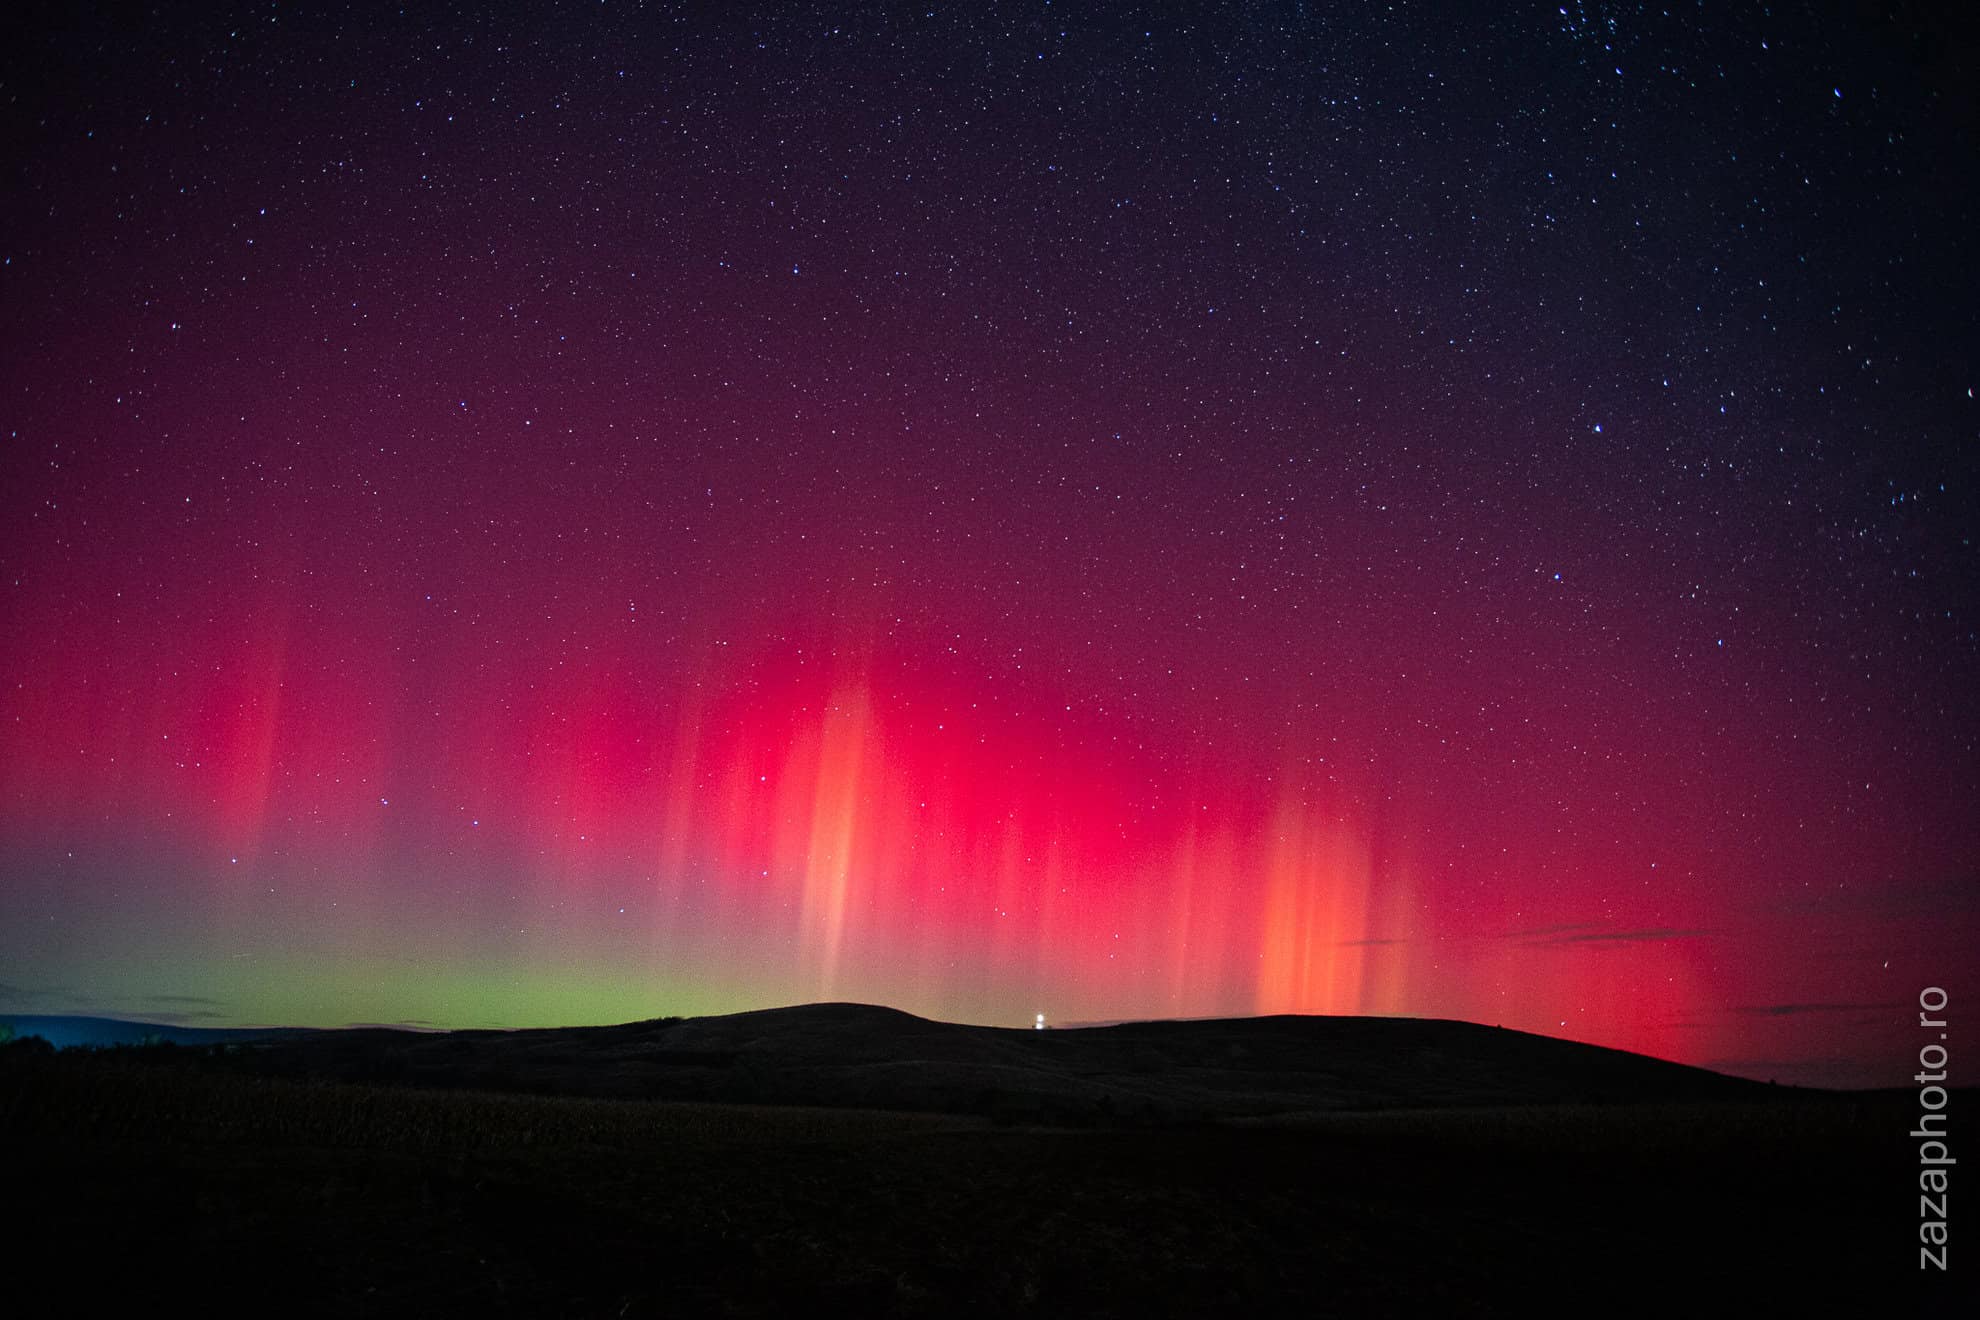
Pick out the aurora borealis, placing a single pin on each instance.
(531, 515)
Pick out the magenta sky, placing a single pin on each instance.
(530, 521)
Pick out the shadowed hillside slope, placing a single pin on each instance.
(859, 1055)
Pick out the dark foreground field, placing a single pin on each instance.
(147, 1176)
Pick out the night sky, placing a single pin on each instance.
(586, 512)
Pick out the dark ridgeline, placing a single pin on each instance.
(1270, 1166)
(66, 1031)
(865, 1056)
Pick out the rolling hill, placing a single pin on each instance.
(864, 1056)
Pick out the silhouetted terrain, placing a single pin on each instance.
(1318, 1166)
(65, 1031)
(859, 1055)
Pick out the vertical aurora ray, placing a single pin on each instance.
(779, 830)
(1153, 550)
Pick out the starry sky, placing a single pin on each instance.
(519, 515)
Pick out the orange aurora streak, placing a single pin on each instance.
(888, 832)
(873, 831)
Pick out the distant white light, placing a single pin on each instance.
(1039, 1024)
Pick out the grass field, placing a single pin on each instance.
(149, 1174)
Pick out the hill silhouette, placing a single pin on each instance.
(68, 1031)
(1380, 1166)
(865, 1056)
